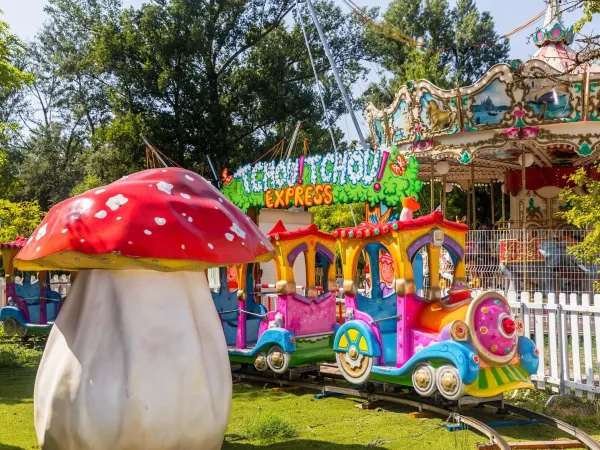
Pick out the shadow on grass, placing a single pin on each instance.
(10, 447)
(302, 444)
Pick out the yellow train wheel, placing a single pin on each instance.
(355, 367)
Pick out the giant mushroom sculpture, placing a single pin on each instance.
(137, 357)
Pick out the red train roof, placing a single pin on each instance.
(280, 233)
(378, 229)
(18, 243)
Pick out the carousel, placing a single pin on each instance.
(526, 126)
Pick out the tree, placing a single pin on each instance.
(328, 218)
(584, 212)
(18, 219)
(456, 44)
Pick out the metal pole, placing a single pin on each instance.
(493, 205)
(317, 82)
(338, 78)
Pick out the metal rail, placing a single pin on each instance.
(423, 405)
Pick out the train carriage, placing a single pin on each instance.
(300, 330)
(455, 344)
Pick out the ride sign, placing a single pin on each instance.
(354, 176)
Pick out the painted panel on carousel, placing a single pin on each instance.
(551, 97)
(490, 105)
(593, 109)
(376, 177)
(434, 114)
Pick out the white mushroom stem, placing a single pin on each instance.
(136, 359)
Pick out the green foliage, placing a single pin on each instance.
(267, 428)
(15, 354)
(18, 219)
(590, 7)
(460, 44)
(584, 213)
(328, 218)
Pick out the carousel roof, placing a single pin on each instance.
(542, 107)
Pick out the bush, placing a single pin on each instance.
(15, 354)
(266, 428)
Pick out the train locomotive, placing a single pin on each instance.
(455, 344)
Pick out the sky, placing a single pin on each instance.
(26, 16)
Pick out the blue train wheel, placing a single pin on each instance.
(449, 383)
(423, 379)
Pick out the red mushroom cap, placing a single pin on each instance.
(160, 219)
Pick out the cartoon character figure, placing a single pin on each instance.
(386, 274)
(232, 279)
(398, 167)
(226, 177)
(367, 281)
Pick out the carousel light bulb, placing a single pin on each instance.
(442, 168)
(526, 159)
(449, 187)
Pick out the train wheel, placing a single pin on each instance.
(449, 383)
(355, 367)
(21, 330)
(423, 380)
(260, 362)
(10, 327)
(278, 360)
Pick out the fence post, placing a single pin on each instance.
(526, 315)
(552, 339)
(563, 343)
(538, 330)
(587, 343)
(574, 318)
(597, 329)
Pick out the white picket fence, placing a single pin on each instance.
(566, 330)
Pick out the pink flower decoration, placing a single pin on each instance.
(511, 133)
(530, 132)
(518, 113)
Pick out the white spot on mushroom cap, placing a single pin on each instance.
(119, 218)
(210, 246)
(160, 221)
(83, 240)
(130, 243)
(221, 200)
(186, 196)
(190, 219)
(38, 249)
(184, 214)
(147, 232)
(164, 187)
(41, 232)
(229, 237)
(183, 247)
(187, 177)
(64, 230)
(237, 230)
(116, 202)
(164, 170)
(100, 191)
(101, 214)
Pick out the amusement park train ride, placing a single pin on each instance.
(456, 345)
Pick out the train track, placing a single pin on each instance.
(449, 411)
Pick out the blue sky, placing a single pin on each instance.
(26, 16)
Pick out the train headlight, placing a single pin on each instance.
(459, 331)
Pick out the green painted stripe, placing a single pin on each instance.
(483, 382)
(508, 374)
(497, 376)
(517, 373)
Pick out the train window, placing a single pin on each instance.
(376, 272)
(421, 271)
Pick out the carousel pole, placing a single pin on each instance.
(468, 204)
(473, 210)
(503, 207)
(444, 195)
(432, 187)
(493, 206)
(524, 218)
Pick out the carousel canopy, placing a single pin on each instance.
(541, 107)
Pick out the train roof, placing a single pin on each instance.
(280, 233)
(18, 243)
(379, 229)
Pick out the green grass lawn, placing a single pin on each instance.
(268, 419)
